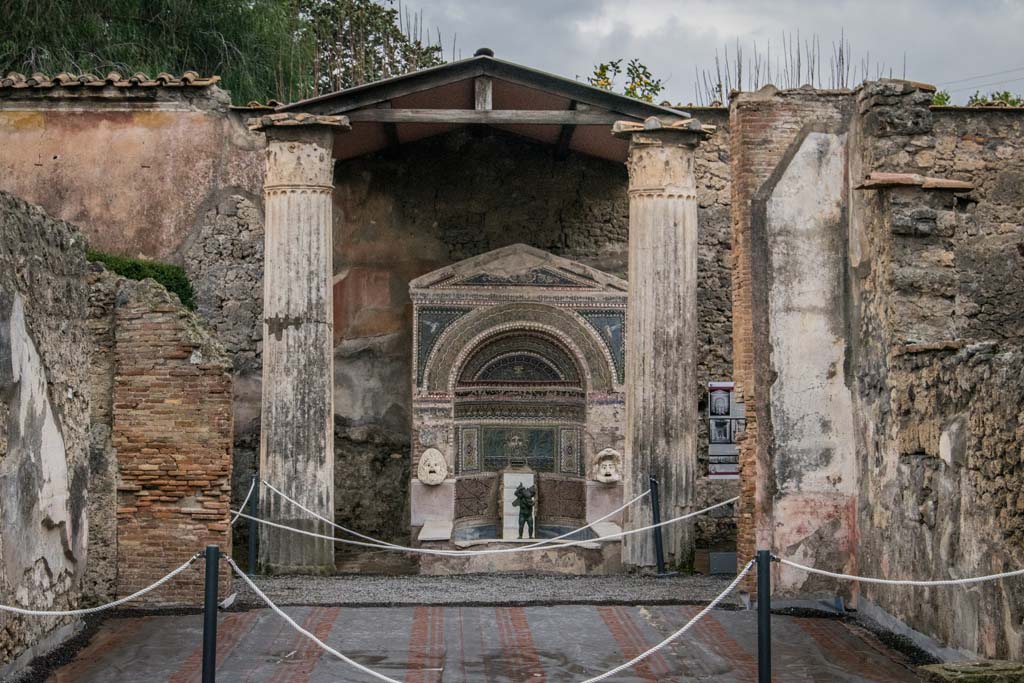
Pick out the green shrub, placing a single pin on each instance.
(173, 278)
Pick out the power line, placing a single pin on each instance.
(979, 86)
(996, 73)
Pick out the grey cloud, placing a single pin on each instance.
(941, 40)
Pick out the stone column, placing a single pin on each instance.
(297, 418)
(661, 332)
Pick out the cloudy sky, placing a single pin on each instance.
(957, 44)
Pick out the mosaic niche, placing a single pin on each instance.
(519, 347)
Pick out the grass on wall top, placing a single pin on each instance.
(173, 278)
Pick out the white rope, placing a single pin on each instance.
(324, 519)
(294, 625)
(245, 502)
(902, 582)
(541, 542)
(686, 627)
(109, 605)
(490, 551)
(608, 674)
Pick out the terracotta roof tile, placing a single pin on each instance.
(66, 80)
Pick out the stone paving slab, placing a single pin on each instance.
(435, 644)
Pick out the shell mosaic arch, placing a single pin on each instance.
(518, 354)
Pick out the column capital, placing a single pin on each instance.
(299, 150)
(283, 123)
(661, 156)
(652, 132)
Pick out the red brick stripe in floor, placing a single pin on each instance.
(229, 631)
(631, 643)
(834, 640)
(297, 669)
(426, 646)
(711, 632)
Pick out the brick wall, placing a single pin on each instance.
(763, 127)
(173, 435)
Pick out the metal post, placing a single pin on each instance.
(764, 616)
(210, 615)
(254, 503)
(659, 551)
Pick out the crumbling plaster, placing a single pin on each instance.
(44, 468)
(165, 158)
(938, 283)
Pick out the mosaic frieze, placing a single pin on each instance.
(543, 448)
(516, 412)
(431, 322)
(534, 277)
(569, 460)
(533, 447)
(610, 325)
(469, 449)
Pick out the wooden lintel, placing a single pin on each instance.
(542, 117)
(483, 88)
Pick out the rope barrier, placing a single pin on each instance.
(608, 674)
(489, 551)
(541, 542)
(245, 502)
(901, 582)
(675, 636)
(109, 605)
(291, 622)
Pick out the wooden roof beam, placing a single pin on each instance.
(539, 117)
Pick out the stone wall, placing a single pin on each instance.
(101, 572)
(44, 425)
(938, 279)
(716, 531)
(188, 176)
(878, 333)
(172, 430)
(223, 259)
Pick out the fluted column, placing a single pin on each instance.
(661, 332)
(297, 416)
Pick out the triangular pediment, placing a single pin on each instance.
(519, 266)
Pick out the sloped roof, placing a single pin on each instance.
(482, 90)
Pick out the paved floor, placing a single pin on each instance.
(433, 644)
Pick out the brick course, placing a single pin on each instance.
(173, 435)
(763, 125)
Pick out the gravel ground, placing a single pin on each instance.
(486, 589)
